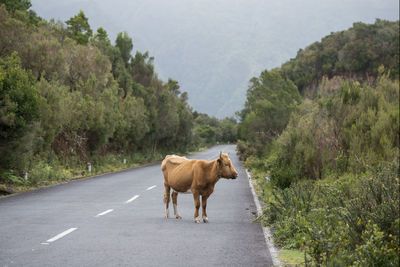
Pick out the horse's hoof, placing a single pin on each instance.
(178, 217)
(197, 220)
(167, 216)
(205, 219)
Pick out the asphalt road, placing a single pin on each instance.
(118, 220)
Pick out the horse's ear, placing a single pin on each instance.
(220, 154)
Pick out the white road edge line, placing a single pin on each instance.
(267, 233)
(104, 213)
(132, 199)
(151, 187)
(61, 235)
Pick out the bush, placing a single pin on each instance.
(376, 201)
(349, 131)
(353, 220)
(9, 177)
(377, 247)
(44, 173)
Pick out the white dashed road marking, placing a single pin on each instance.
(61, 235)
(132, 199)
(104, 212)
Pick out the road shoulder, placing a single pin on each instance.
(267, 233)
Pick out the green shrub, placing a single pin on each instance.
(335, 221)
(377, 247)
(376, 201)
(244, 149)
(9, 177)
(285, 210)
(43, 173)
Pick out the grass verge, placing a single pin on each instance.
(291, 257)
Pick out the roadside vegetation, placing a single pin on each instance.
(69, 97)
(324, 128)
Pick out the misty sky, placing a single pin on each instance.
(213, 47)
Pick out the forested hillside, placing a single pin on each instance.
(68, 96)
(324, 127)
(356, 54)
(214, 47)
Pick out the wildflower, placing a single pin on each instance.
(390, 235)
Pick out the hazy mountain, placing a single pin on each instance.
(214, 47)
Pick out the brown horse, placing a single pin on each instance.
(199, 176)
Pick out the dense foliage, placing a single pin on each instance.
(350, 130)
(270, 100)
(68, 97)
(332, 164)
(359, 51)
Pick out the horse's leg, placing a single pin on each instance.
(196, 197)
(175, 202)
(167, 189)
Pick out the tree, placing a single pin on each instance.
(101, 36)
(125, 45)
(228, 130)
(101, 40)
(14, 5)
(13, 33)
(44, 56)
(79, 28)
(19, 108)
(173, 86)
(84, 61)
(270, 100)
(142, 69)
